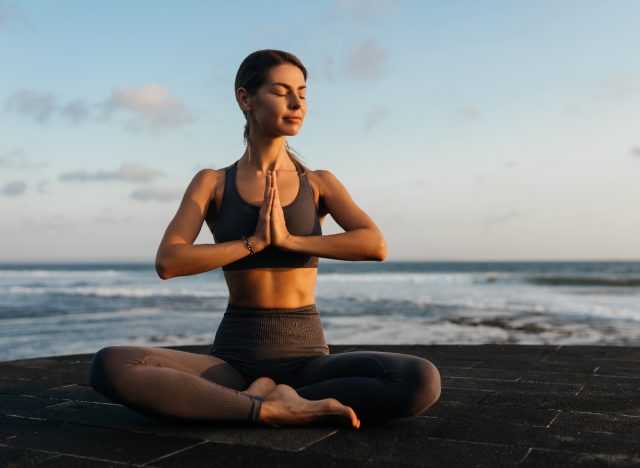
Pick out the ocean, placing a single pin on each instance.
(59, 309)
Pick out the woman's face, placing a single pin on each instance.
(279, 106)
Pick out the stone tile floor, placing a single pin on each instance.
(501, 405)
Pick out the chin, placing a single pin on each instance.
(291, 132)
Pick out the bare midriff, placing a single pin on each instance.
(272, 287)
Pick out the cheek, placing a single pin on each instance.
(272, 107)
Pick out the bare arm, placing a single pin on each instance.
(177, 255)
(362, 240)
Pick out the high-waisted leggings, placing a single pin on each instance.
(286, 345)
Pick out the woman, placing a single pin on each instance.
(269, 363)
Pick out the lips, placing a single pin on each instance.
(296, 119)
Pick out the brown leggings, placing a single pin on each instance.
(183, 385)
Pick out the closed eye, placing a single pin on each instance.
(301, 97)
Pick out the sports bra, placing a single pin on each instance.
(239, 218)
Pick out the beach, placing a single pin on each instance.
(61, 309)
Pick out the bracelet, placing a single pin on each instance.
(247, 245)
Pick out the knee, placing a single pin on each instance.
(426, 388)
(104, 368)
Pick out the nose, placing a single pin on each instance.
(295, 102)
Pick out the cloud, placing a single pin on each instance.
(616, 87)
(375, 116)
(502, 218)
(469, 113)
(46, 223)
(9, 12)
(157, 194)
(132, 172)
(510, 164)
(113, 219)
(5, 14)
(151, 107)
(14, 188)
(17, 159)
(361, 9)
(39, 106)
(43, 186)
(76, 112)
(324, 69)
(635, 151)
(367, 61)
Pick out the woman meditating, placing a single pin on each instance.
(269, 363)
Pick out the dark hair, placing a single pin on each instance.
(253, 73)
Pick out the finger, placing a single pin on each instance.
(273, 198)
(267, 186)
(270, 202)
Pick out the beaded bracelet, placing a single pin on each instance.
(247, 245)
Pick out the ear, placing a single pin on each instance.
(242, 96)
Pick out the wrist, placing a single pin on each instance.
(256, 243)
(289, 243)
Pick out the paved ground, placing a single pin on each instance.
(501, 405)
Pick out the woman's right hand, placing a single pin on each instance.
(262, 235)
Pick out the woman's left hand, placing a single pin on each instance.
(279, 232)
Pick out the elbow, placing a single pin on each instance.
(162, 268)
(380, 252)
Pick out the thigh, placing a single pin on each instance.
(376, 385)
(372, 364)
(211, 368)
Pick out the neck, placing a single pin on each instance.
(265, 154)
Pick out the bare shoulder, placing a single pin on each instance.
(210, 177)
(322, 180)
(326, 186)
(205, 186)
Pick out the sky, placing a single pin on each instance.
(467, 130)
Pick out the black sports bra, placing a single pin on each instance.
(238, 218)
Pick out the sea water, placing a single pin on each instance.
(58, 309)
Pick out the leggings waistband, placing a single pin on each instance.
(270, 332)
(234, 308)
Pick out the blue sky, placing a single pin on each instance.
(491, 130)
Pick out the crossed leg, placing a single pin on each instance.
(179, 384)
(377, 385)
(173, 383)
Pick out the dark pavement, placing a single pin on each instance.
(501, 405)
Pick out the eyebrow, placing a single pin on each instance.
(287, 86)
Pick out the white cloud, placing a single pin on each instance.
(152, 107)
(502, 217)
(616, 87)
(375, 116)
(363, 10)
(635, 151)
(14, 188)
(76, 111)
(40, 106)
(9, 12)
(43, 186)
(138, 173)
(132, 172)
(46, 223)
(469, 113)
(18, 159)
(367, 60)
(156, 193)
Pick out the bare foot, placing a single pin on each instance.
(284, 407)
(262, 386)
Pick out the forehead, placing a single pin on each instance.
(286, 73)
